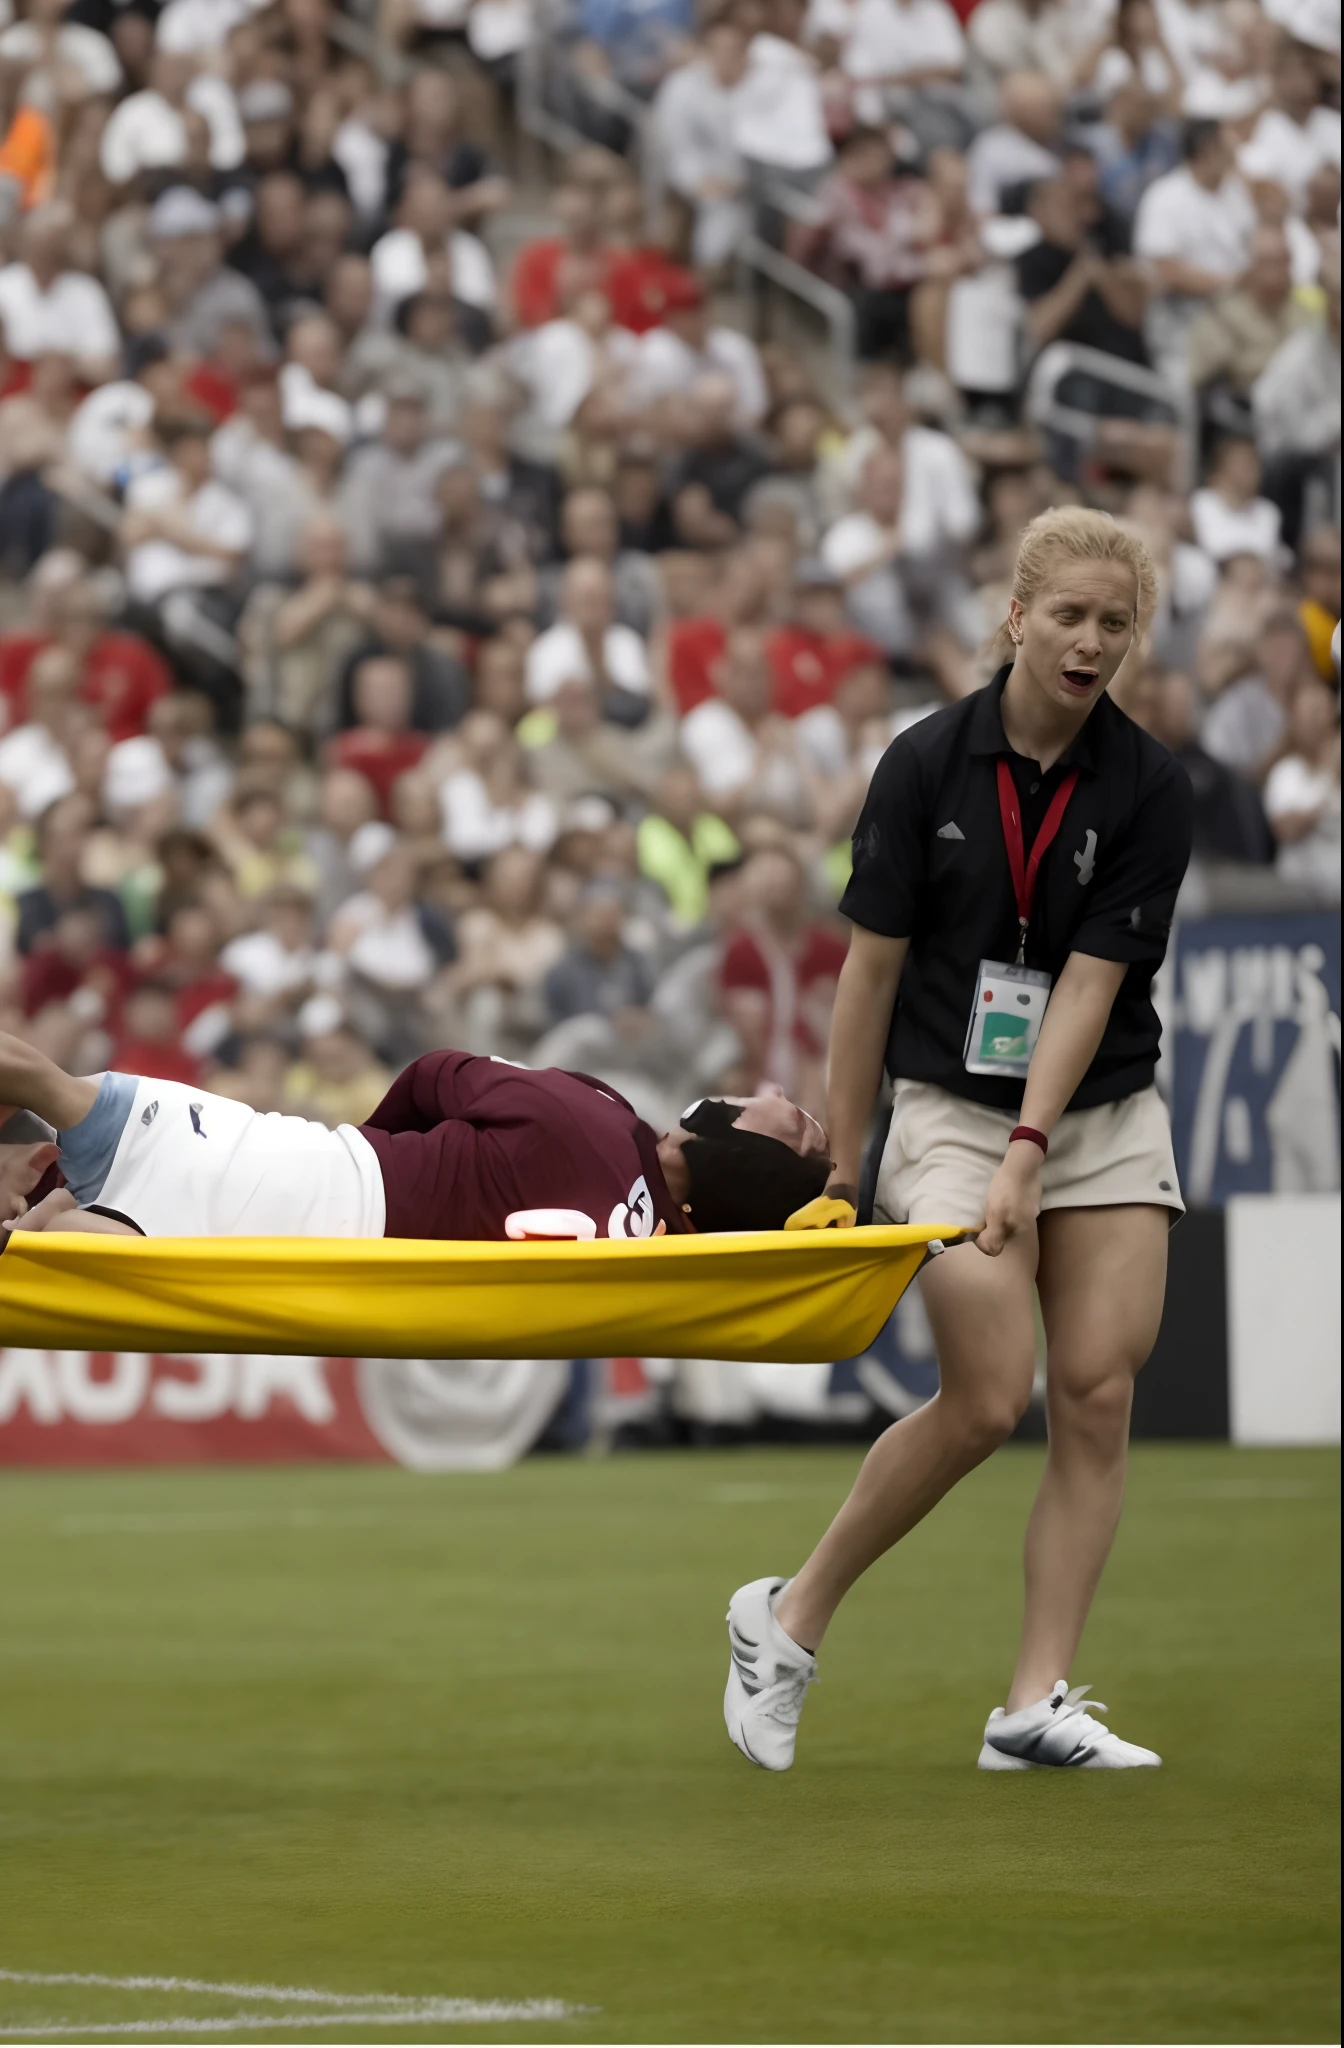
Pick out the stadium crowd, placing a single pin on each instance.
(427, 617)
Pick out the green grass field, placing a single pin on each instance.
(352, 1730)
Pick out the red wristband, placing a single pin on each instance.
(1036, 1137)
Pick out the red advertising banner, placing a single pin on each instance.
(136, 1408)
(139, 1408)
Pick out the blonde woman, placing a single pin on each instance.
(1016, 866)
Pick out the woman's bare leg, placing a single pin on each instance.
(1102, 1279)
(29, 1080)
(984, 1328)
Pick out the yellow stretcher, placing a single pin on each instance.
(791, 1296)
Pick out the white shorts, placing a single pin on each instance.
(190, 1164)
(942, 1152)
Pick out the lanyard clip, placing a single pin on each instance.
(1021, 960)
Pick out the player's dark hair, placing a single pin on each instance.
(743, 1181)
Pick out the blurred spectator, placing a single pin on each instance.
(1019, 150)
(336, 1079)
(1248, 721)
(1194, 227)
(1234, 338)
(1228, 515)
(1319, 609)
(871, 232)
(1295, 406)
(681, 842)
(588, 645)
(1302, 793)
(600, 974)
(778, 979)
(61, 831)
(694, 123)
(35, 758)
(381, 745)
(46, 303)
(1229, 819)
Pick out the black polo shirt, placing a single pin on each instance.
(930, 865)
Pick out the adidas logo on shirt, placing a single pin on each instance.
(950, 831)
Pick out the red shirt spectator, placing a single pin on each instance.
(148, 1043)
(122, 675)
(694, 646)
(778, 975)
(809, 667)
(381, 746)
(71, 958)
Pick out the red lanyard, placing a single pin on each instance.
(1024, 867)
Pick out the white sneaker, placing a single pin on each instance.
(767, 1678)
(1059, 1731)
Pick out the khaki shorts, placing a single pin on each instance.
(942, 1152)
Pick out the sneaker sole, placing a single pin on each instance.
(994, 1760)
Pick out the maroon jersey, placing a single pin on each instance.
(463, 1142)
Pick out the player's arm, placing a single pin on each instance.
(432, 1090)
(865, 997)
(60, 1211)
(1075, 1019)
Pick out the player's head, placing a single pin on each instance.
(750, 1163)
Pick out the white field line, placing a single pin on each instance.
(323, 2008)
(1249, 1489)
(440, 2012)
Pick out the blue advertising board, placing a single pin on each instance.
(1252, 1052)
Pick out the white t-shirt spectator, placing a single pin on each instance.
(1198, 37)
(778, 115)
(939, 504)
(200, 28)
(1051, 38)
(1179, 217)
(265, 968)
(1285, 152)
(1115, 67)
(156, 567)
(79, 49)
(74, 315)
(388, 948)
(475, 827)
(1001, 158)
(34, 765)
(397, 260)
(720, 746)
(103, 436)
(891, 38)
(1294, 785)
(666, 364)
(877, 602)
(146, 133)
(559, 656)
(1224, 530)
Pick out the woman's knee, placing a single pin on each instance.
(984, 1417)
(1093, 1411)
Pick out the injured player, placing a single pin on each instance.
(459, 1147)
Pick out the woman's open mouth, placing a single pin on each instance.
(1080, 680)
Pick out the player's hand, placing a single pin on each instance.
(824, 1212)
(46, 1216)
(1014, 1199)
(21, 1168)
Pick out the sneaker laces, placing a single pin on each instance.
(1075, 1705)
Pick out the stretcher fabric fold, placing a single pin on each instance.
(793, 1296)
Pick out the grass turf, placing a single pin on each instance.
(349, 1728)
